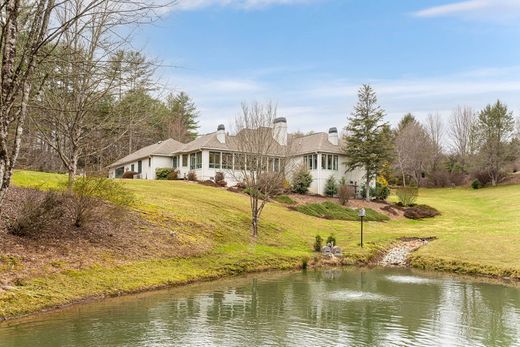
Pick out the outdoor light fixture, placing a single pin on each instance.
(361, 214)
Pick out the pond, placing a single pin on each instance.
(358, 307)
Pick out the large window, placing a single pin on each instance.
(195, 160)
(184, 160)
(139, 166)
(329, 162)
(214, 160)
(175, 163)
(132, 167)
(227, 161)
(311, 161)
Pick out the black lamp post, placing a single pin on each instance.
(361, 214)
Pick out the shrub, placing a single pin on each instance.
(284, 199)
(420, 211)
(331, 239)
(221, 183)
(331, 188)
(38, 212)
(173, 175)
(87, 191)
(318, 243)
(407, 195)
(219, 176)
(379, 192)
(301, 181)
(162, 173)
(475, 184)
(129, 175)
(192, 176)
(305, 263)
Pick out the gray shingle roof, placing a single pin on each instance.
(165, 147)
(318, 142)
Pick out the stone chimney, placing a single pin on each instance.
(333, 136)
(280, 130)
(221, 133)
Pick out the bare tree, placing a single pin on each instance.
(26, 39)
(435, 129)
(262, 156)
(81, 78)
(414, 151)
(460, 130)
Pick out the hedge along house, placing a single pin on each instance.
(216, 152)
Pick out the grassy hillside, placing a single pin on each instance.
(478, 232)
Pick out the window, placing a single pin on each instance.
(139, 166)
(175, 163)
(276, 164)
(311, 161)
(214, 160)
(184, 160)
(329, 162)
(239, 161)
(132, 167)
(195, 160)
(227, 161)
(149, 162)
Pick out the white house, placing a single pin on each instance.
(216, 152)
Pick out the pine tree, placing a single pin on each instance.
(368, 139)
(181, 119)
(331, 187)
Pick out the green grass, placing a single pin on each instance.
(331, 210)
(478, 232)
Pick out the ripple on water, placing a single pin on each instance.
(354, 295)
(410, 279)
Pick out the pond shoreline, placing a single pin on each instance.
(289, 265)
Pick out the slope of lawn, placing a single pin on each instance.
(478, 232)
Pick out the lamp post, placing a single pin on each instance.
(361, 214)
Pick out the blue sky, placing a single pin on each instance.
(311, 56)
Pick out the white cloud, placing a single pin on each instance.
(317, 103)
(187, 5)
(492, 10)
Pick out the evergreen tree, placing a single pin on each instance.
(368, 139)
(181, 120)
(331, 187)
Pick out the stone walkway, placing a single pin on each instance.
(398, 255)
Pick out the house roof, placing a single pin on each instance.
(165, 147)
(317, 142)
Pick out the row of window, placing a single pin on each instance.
(235, 161)
(328, 161)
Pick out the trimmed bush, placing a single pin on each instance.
(407, 195)
(318, 243)
(475, 184)
(331, 187)
(129, 175)
(331, 210)
(192, 176)
(420, 211)
(301, 181)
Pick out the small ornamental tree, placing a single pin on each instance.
(331, 187)
(301, 181)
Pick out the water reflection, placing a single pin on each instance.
(334, 307)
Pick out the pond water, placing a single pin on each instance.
(357, 307)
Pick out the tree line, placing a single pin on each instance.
(74, 94)
(483, 145)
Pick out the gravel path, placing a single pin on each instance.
(398, 255)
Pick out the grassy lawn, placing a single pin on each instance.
(478, 232)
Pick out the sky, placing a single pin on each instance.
(311, 56)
